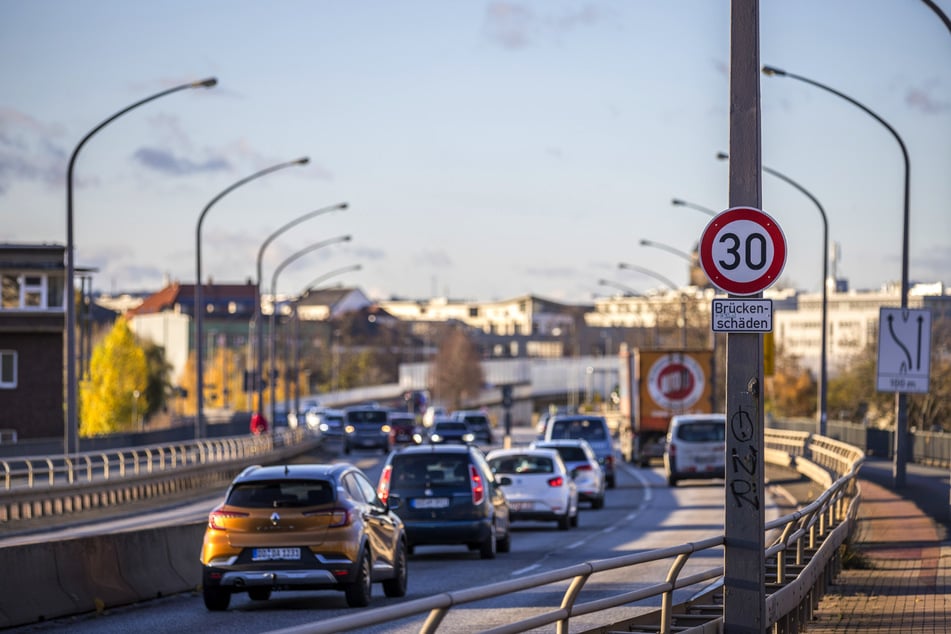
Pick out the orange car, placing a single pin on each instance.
(302, 527)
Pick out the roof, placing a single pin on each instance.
(292, 471)
(184, 294)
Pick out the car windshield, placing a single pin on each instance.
(522, 464)
(584, 428)
(571, 453)
(444, 427)
(704, 431)
(377, 417)
(283, 493)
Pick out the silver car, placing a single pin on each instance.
(583, 466)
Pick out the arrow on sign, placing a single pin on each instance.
(891, 331)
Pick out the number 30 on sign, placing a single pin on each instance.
(742, 251)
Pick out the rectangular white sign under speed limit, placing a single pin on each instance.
(904, 350)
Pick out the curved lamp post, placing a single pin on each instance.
(272, 353)
(821, 407)
(626, 289)
(673, 287)
(199, 308)
(71, 437)
(295, 363)
(901, 401)
(677, 202)
(258, 314)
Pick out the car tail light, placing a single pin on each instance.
(478, 488)
(216, 518)
(584, 467)
(672, 449)
(383, 488)
(556, 482)
(338, 516)
(609, 461)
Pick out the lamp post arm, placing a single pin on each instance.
(668, 248)
(289, 225)
(317, 245)
(656, 276)
(683, 203)
(770, 70)
(328, 275)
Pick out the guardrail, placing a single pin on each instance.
(42, 486)
(802, 555)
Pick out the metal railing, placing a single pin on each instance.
(41, 486)
(802, 557)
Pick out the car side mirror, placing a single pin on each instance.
(504, 481)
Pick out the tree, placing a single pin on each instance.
(456, 371)
(116, 393)
(792, 390)
(157, 389)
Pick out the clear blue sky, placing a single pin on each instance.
(487, 149)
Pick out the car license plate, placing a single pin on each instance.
(522, 506)
(272, 554)
(430, 503)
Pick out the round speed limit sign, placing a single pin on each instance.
(742, 251)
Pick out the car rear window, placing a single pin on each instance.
(429, 469)
(572, 454)
(522, 463)
(586, 429)
(706, 431)
(283, 493)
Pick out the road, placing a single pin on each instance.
(641, 513)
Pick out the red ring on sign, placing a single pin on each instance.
(719, 279)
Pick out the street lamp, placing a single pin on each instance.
(666, 247)
(669, 283)
(258, 314)
(626, 289)
(295, 364)
(71, 437)
(901, 401)
(199, 308)
(272, 354)
(683, 203)
(821, 413)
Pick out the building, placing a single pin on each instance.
(32, 318)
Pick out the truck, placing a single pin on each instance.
(653, 386)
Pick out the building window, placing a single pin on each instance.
(8, 369)
(30, 292)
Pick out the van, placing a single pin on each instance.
(696, 447)
(592, 428)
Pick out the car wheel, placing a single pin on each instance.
(396, 587)
(346, 448)
(564, 522)
(358, 591)
(259, 594)
(611, 482)
(574, 520)
(598, 502)
(672, 480)
(487, 548)
(216, 599)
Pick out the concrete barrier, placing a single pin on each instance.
(87, 574)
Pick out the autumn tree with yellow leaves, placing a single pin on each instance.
(115, 396)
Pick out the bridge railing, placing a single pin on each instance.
(41, 486)
(802, 554)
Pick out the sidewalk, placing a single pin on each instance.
(904, 585)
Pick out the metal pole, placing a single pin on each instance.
(199, 308)
(744, 604)
(901, 401)
(258, 312)
(272, 338)
(71, 433)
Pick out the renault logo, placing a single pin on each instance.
(275, 518)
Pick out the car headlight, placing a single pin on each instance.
(385, 429)
(435, 438)
(468, 437)
(350, 429)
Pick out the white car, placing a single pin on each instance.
(696, 447)
(583, 466)
(537, 485)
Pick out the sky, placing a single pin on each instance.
(486, 149)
